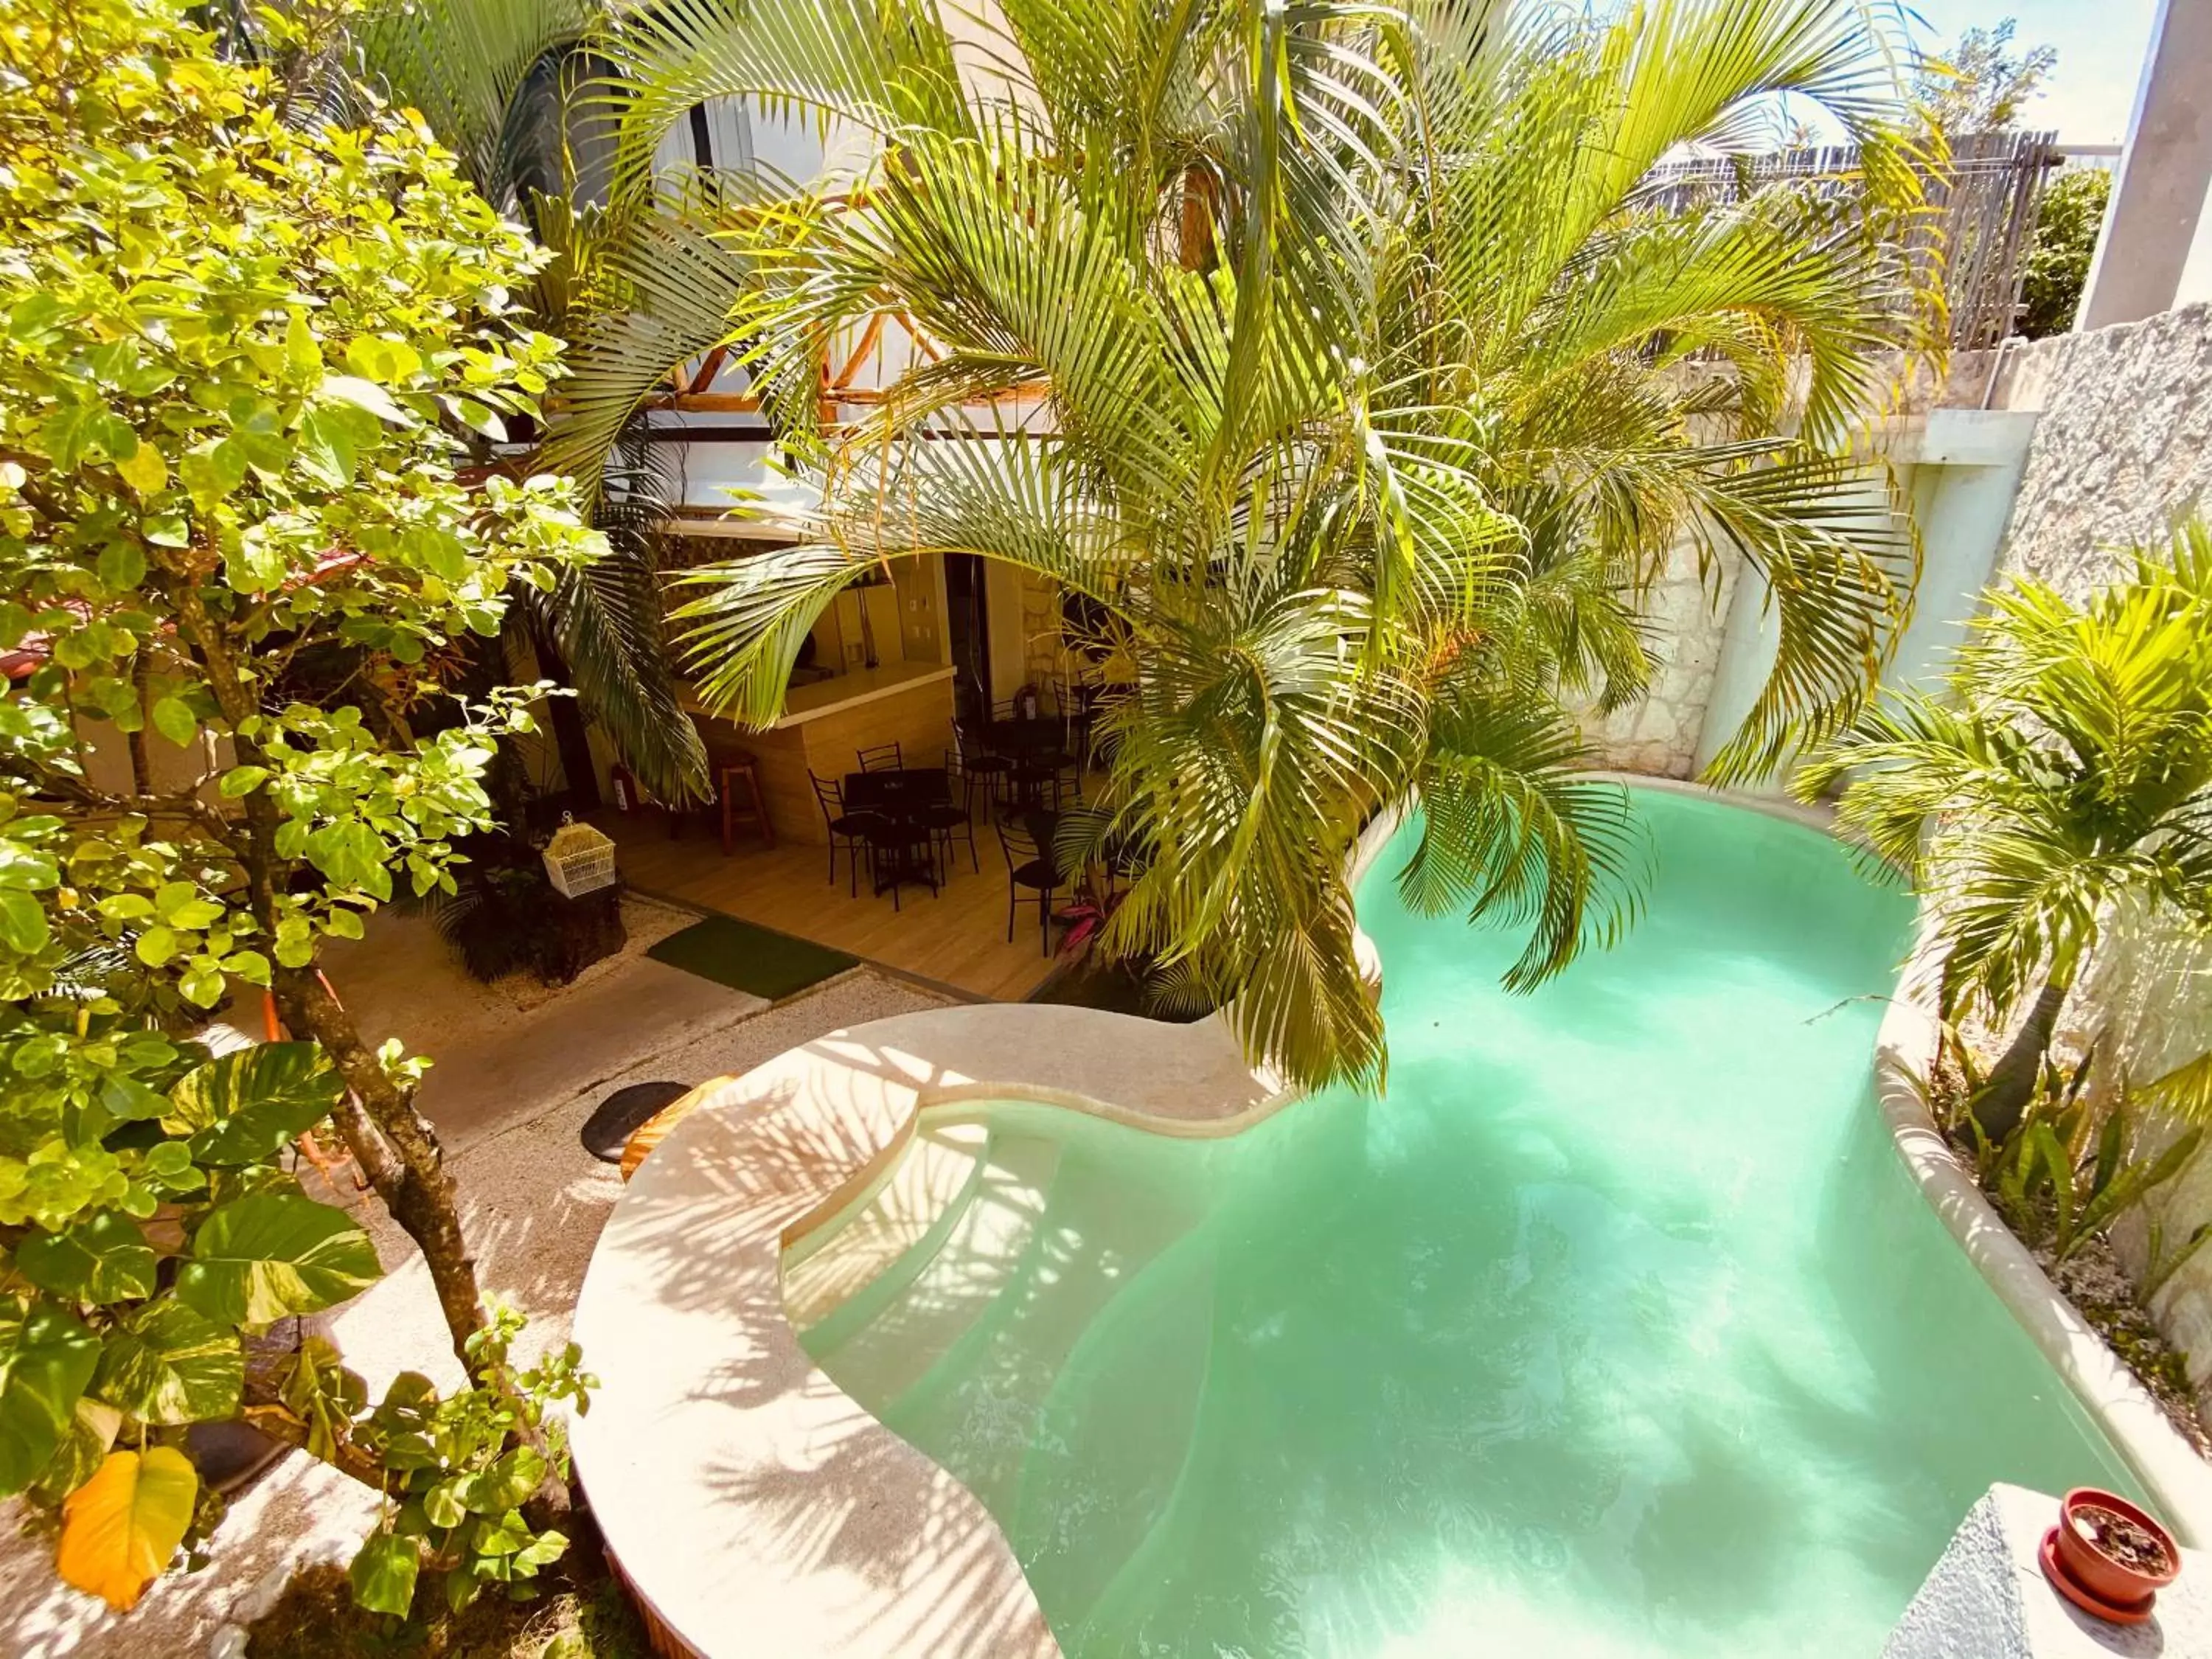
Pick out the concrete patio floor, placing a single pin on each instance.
(512, 1084)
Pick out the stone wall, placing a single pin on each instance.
(2123, 451)
(1685, 612)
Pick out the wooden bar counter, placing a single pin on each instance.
(825, 724)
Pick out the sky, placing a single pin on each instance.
(2100, 50)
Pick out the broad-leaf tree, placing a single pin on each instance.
(2062, 778)
(239, 358)
(1984, 84)
(2069, 221)
(1334, 354)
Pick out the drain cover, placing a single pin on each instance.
(619, 1116)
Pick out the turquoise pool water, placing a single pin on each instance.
(1615, 1329)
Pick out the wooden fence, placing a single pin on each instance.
(1979, 223)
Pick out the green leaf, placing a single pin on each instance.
(213, 472)
(296, 942)
(243, 781)
(23, 926)
(123, 561)
(67, 433)
(47, 1357)
(24, 870)
(382, 1574)
(446, 1504)
(84, 1447)
(201, 984)
(367, 395)
(257, 431)
(174, 722)
(130, 1099)
(155, 946)
(251, 966)
(507, 1484)
(145, 471)
(261, 1257)
(381, 360)
(102, 1258)
(179, 904)
(244, 1106)
(168, 1365)
(327, 452)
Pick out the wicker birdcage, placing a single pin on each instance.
(578, 860)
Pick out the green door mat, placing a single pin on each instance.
(757, 960)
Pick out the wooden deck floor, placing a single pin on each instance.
(957, 939)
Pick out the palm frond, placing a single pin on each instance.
(603, 621)
(464, 64)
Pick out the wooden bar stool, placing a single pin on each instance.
(733, 773)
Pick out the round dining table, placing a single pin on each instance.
(901, 833)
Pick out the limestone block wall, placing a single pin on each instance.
(2123, 450)
(1687, 613)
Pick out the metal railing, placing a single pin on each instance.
(1978, 227)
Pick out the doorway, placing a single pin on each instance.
(970, 623)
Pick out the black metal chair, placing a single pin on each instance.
(1035, 781)
(953, 818)
(1029, 864)
(883, 757)
(981, 764)
(852, 828)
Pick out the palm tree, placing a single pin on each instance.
(2064, 779)
(1332, 352)
(498, 82)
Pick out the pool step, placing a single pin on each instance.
(1136, 1383)
(904, 1281)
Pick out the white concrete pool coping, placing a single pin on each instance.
(2178, 1481)
(756, 1509)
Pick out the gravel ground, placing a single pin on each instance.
(534, 1202)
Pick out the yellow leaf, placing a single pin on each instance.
(146, 472)
(121, 1527)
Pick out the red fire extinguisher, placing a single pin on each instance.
(625, 787)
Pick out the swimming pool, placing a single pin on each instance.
(1616, 1328)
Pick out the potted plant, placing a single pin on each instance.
(2108, 1556)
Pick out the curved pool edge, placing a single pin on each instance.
(2177, 1479)
(727, 1472)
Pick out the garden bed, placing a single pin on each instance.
(316, 1618)
(2090, 1278)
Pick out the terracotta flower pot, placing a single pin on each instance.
(2107, 1568)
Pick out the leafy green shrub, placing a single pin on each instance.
(2067, 223)
(456, 1472)
(242, 366)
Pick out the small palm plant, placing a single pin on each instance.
(2063, 781)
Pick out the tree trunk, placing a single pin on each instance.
(396, 1147)
(399, 1153)
(401, 1158)
(571, 737)
(2005, 1094)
